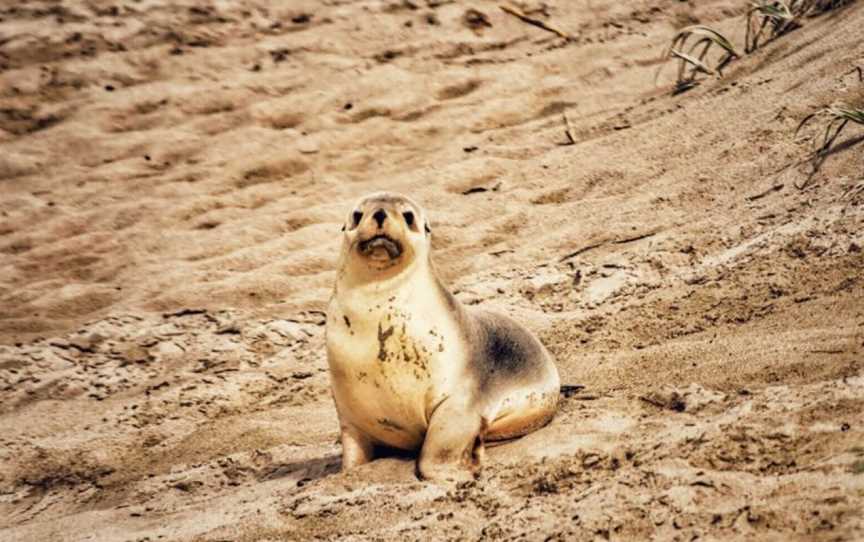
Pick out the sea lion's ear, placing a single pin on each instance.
(343, 227)
(427, 228)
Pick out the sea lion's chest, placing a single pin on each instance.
(391, 360)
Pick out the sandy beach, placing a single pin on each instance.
(173, 179)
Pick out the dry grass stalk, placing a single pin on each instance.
(692, 56)
(838, 116)
(782, 16)
(519, 14)
(777, 16)
(568, 129)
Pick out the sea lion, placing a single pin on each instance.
(414, 369)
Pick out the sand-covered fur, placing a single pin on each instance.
(411, 367)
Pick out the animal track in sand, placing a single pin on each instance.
(458, 90)
(270, 170)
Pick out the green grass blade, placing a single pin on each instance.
(854, 115)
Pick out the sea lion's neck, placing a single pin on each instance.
(369, 284)
(416, 281)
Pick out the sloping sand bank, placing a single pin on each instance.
(173, 176)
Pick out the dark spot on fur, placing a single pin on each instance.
(383, 335)
(420, 361)
(500, 348)
(347, 321)
(390, 424)
(505, 350)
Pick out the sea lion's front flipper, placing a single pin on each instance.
(357, 448)
(453, 446)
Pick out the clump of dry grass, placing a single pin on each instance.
(765, 17)
(781, 16)
(837, 117)
(776, 16)
(692, 54)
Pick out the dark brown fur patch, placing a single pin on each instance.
(383, 335)
(504, 350)
(390, 424)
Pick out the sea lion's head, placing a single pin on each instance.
(384, 234)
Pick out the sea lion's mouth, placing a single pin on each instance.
(375, 244)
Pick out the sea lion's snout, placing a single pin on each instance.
(373, 245)
(380, 216)
(384, 234)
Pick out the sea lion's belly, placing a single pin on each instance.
(388, 369)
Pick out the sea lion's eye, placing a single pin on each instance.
(409, 217)
(358, 216)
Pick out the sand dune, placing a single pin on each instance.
(173, 178)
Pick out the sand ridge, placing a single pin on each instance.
(173, 178)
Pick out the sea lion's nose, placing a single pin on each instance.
(380, 216)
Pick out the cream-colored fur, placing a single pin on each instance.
(407, 361)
